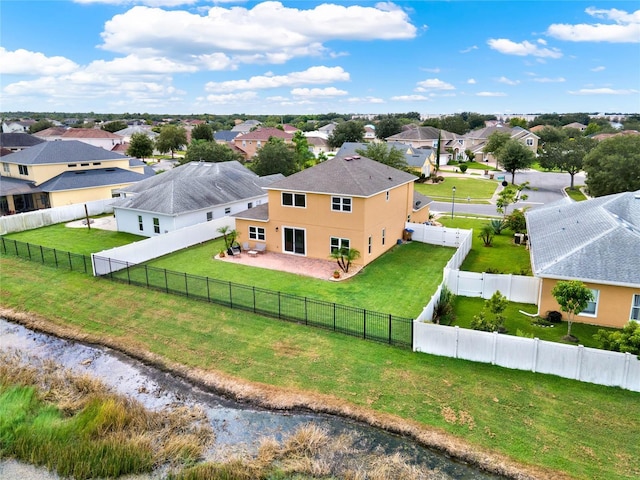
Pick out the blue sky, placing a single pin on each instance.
(309, 57)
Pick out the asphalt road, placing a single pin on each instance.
(544, 188)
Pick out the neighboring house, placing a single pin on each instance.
(289, 128)
(52, 174)
(246, 126)
(51, 133)
(251, 142)
(452, 145)
(576, 125)
(327, 130)
(317, 145)
(346, 201)
(126, 133)
(476, 140)
(596, 241)
(602, 136)
(93, 136)
(18, 141)
(225, 136)
(369, 133)
(21, 126)
(192, 193)
(418, 159)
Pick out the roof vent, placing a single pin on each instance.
(356, 157)
(348, 159)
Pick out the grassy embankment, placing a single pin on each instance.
(468, 190)
(544, 422)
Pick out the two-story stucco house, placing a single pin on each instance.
(346, 201)
(251, 142)
(476, 140)
(53, 174)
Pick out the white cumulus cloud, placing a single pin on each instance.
(409, 98)
(509, 47)
(623, 27)
(318, 92)
(508, 81)
(598, 69)
(434, 84)
(603, 91)
(311, 76)
(549, 80)
(491, 94)
(24, 62)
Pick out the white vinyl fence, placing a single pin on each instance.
(50, 216)
(115, 259)
(517, 288)
(569, 361)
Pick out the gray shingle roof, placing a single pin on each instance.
(420, 201)
(343, 175)
(225, 135)
(194, 186)
(18, 140)
(259, 212)
(17, 186)
(96, 177)
(596, 240)
(71, 151)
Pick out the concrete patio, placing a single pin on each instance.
(309, 267)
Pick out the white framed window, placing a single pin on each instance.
(156, 225)
(5, 167)
(339, 243)
(23, 169)
(592, 306)
(635, 308)
(529, 142)
(341, 204)
(249, 205)
(370, 244)
(257, 233)
(294, 199)
(387, 195)
(384, 235)
(209, 216)
(140, 224)
(227, 210)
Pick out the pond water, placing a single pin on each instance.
(237, 426)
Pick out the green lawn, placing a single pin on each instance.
(504, 256)
(473, 165)
(475, 189)
(75, 240)
(576, 194)
(539, 420)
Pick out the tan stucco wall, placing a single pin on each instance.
(41, 173)
(369, 216)
(68, 197)
(614, 304)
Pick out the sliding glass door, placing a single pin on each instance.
(294, 241)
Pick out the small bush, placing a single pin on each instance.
(463, 167)
(498, 225)
(443, 313)
(554, 316)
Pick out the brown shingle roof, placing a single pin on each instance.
(263, 134)
(345, 175)
(89, 133)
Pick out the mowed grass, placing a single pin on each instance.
(475, 189)
(535, 419)
(82, 241)
(504, 256)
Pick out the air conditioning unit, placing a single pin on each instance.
(518, 238)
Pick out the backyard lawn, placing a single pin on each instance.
(475, 189)
(504, 256)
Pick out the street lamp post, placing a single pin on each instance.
(453, 199)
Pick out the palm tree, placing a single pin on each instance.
(344, 256)
(224, 230)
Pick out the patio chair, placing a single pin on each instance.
(245, 246)
(236, 250)
(260, 247)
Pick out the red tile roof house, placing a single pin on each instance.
(93, 136)
(251, 142)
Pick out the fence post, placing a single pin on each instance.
(186, 284)
(457, 335)
(4, 247)
(110, 268)
(536, 345)
(494, 348)
(128, 275)
(390, 321)
(84, 261)
(625, 371)
(254, 299)
(166, 281)
(279, 307)
(41, 252)
(412, 327)
(579, 361)
(29, 250)
(146, 275)
(306, 314)
(334, 317)
(230, 296)
(364, 324)
(208, 293)
(15, 245)
(70, 265)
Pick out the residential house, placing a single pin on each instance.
(18, 141)
(189, 194)
(576, 125)
(452, 145)
(20, 126)
(126, 133)
(51, 133)
(317, 145)
(52, 174)
(596, 241)
(225, 136)
(346, 201)
(93, 136)
(603, 136)
(327, 130)
(251, 142)
(246, 126)
(476, 140)
(419, 160)
(289, 128)
(369, 133)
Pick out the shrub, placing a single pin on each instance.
(554, 316)
(486, 234)
(498, 225)
(496, 305)
(625, 340)
(516, 222)
(463, 167)
(443, 313)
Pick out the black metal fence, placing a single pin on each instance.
(358, 322)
